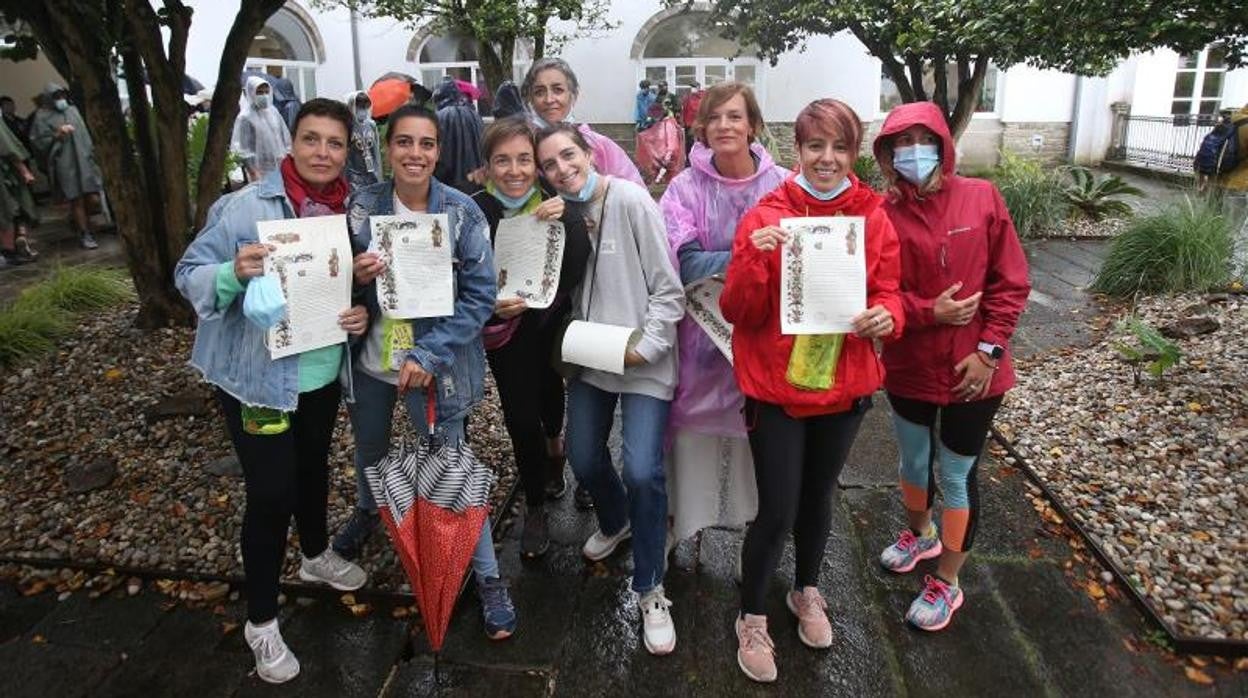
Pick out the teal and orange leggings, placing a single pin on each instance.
(963, 430)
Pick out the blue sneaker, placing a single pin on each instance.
(350, 540)
(496, 608)
(902, 556)
(934, 607)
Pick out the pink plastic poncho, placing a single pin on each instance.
(609, 157)
(700, 204)
(661, 151)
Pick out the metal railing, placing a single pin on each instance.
(1166, 143)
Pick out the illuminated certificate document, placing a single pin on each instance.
(527, 257)
(702, 304)
(823, 275)
(418, 280)
(311, 258)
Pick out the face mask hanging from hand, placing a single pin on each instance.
(916, 162)
(264, 303)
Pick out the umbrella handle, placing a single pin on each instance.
(431, 409)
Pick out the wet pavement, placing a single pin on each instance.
(1025, 629)
(57, 245)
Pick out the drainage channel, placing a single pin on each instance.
(1185, 644)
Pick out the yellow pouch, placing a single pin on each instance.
(396, 342)
(812, 363)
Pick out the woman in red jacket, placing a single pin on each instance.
(801, 421)
(964, 285)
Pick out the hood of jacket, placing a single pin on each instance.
(448, 94)
(926, 114)
(249, 88)
(51, 89)
(700, 160)
(507, 100)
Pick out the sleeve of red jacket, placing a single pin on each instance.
(1006, 286)
(884, 275)
(745, 300)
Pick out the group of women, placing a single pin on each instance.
(759, 440)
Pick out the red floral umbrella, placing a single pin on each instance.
(433, 497)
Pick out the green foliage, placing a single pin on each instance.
(1186, 247)
(868, 171)
(81, 288)
(1033, 194)
(1151, 350)
(30, 326)
(1097, 197)
(196, 142)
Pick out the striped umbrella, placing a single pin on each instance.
(433, 496)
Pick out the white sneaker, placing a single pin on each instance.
(275, 663)
(658, 631)
(600, 546)
(329, 568)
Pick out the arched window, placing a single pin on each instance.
(439, 55)
(287, 47)
(683, 47)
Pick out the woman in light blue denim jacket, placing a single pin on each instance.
(443, 356)
(285, 474)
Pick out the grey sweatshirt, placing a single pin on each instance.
(635, 286)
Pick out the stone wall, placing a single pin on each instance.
(1045, 141)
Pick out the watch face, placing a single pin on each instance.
(998, 351)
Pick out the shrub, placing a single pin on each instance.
(30, 326)
(868, 170)
(1097, 197)
(1151, 351)
(77, 289)
(196, 142)
(1185, 247)
(1032, 193)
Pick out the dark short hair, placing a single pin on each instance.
(411, 111)
(503, 130)
(644, 84)
(566, 129)
(329, 108)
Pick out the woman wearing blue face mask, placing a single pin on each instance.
(630, 282)
(519, 341)
(963, 285)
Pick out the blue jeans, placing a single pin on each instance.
(641, 498)
(371, 416)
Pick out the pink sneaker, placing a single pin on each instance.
(902, 556)
(756, 654)
(813, 628)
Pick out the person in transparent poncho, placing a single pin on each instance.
(260, 135)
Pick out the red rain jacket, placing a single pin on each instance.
(963, 232)
(751, 302)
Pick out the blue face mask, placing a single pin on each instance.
(916, 162)
(264, 304)
(821, 195)
(510, 202)
(587, 191)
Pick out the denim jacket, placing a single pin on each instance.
(229, 350)
(448, 347)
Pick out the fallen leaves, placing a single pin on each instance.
(1195, 675)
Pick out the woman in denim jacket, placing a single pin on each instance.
(285, 474)
(443, 355)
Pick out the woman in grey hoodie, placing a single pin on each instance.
(630, 282)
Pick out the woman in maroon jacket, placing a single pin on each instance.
(805, 395)
(964, 285)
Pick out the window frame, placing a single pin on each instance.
(1199, 71)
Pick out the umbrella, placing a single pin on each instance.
(433, 497)
(390, 93)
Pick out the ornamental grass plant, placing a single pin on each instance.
(44, 312)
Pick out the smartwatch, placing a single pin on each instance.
(994, 351)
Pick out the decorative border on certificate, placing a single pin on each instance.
(702, 302)
(823, 274)
(528, 254)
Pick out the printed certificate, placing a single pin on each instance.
(823, 275)
(419, 277)
(311, 258)
(702, 304)
(527, 257)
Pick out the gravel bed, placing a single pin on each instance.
(164, 509)
(1084, 229)
(1157, 474)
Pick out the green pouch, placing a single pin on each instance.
(396, 342)
(812, 363)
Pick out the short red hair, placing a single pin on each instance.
(831, 116)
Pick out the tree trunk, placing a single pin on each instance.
(252, 15)
(915, 65)
(496, 60)
(968, 95)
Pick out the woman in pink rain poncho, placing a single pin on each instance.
(710, 469)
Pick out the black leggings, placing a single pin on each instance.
(284, 474)
(796, 463)
(532, 396)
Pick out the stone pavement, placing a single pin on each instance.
(1025, 629)
(57, 245)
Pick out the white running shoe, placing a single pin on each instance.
(658, 631)
(600, 546)
(275, 663)
(329, 568)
